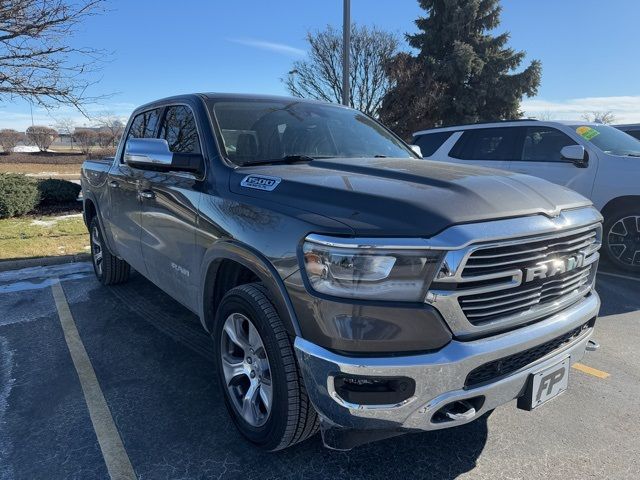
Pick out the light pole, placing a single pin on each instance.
(346, 47)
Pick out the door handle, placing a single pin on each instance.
(114, 184)
(148, 194)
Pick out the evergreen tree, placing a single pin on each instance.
(474, 72)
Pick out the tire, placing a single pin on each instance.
(621, 239)
(109, 269)
(290, 418)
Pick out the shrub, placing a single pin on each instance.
(9, 139)
(41, 137)
(53, 191)
(18, 194)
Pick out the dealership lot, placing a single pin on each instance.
(153, 366)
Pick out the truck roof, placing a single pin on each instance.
(225, 96)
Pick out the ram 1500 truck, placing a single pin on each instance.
(347, 284)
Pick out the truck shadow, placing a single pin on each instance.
(216, 444)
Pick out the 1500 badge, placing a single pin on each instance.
(260, 182)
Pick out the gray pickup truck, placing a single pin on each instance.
(347, 284)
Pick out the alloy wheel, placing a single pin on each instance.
(624, 240)
(96, 250)
(246, 369)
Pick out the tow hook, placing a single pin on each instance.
(592, 346)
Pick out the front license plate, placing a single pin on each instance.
(545, 384)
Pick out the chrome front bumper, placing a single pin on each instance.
(439, 376)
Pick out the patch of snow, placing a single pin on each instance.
(26, 149)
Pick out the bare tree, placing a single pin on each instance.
(86, 139)
(113, 124)
(104, 138)
(9, 139)
(320, 76)
(37, 60)
(66, 126)
(41, 137)
(545, 116)
(606, 117)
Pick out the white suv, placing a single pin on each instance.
(598, 161)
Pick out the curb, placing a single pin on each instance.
(6, 265)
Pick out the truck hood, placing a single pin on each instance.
(405, 197)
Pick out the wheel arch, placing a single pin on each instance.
(232, 259)
(91, 210)
(620, 202)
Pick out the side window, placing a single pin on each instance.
(634, 133)
(488, 144)
(144, 125)
(543, 144)
(179, 130)
(429, 143)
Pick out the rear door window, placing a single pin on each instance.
(179, 130)
(543, 144)
(489, 144)
(429, 143)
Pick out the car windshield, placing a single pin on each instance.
(261, 131)
(609, 139)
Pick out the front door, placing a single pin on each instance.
(541, 157)
(170, 213)
(123, 184)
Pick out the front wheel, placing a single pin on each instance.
(263, 389)
(621, 236)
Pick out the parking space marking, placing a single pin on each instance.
(618, 275)
(115, 456)
(590, 370)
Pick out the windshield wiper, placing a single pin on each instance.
(285, 159)
(633, 154)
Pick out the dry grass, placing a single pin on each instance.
(42, 169)
(53, 158)
(32, 236)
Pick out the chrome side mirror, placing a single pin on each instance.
(148, 151)
(417, 150)
(576, 154)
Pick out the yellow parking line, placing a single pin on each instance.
(115, 456)
(590, 370)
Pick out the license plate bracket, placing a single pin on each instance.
(545, 384)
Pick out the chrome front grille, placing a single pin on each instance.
(487, 306)
(488, 260)
(494, 285)
(495, 301)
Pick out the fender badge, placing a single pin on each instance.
(260, 182)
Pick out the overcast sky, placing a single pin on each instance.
(161, 48)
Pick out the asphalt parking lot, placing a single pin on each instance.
(153, 364)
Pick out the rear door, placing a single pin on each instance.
(123, 181)
(170, 211)
(540, 156)
(487, 147)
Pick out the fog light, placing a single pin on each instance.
(363, 390)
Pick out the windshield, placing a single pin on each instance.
(609, 139)
(256, 131)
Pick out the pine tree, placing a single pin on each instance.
(474, 72)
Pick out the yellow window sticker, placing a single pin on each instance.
(587, 132)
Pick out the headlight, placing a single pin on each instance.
(370, 273)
